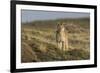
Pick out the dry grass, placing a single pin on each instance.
(39, 41)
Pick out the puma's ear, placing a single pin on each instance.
(58, 23)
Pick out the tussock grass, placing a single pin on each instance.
(42, 44)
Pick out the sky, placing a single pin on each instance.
(33, 15)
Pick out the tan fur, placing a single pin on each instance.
(62, 37)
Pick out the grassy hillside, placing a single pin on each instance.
(41, 45)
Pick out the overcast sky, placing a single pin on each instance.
(32, 15)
